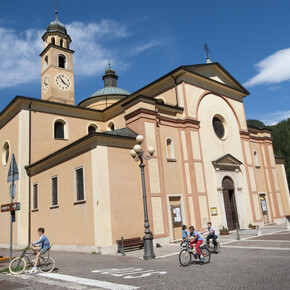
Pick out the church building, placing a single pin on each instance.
(78, 180)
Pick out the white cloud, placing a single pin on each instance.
(274, 117)
(140, 48)
(19, 60)
(273, 69)
(273, 88)
(92, 42)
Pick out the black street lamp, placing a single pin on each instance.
(138, 154)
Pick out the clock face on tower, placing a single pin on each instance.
(62, 81)
(45, 84)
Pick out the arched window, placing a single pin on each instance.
(256, 159)
(60, 130)
(61, 43)
(46, 61)
(61, 61)
(170, 149)
(92, 128)
(111, 126)
(161, 101)
(5, 153)
(52, 40)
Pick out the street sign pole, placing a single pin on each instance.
(11, 215)
(13, 175)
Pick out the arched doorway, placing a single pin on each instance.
(230, 202)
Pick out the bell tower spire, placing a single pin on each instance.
(57, 74)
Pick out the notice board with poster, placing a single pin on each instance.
(176, 214)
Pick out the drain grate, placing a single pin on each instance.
(7, 285)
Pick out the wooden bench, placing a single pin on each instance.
(130, 244)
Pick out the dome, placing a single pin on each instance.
(110, 91)
(106, 96)
(56, 26)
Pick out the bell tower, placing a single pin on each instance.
(57, 74)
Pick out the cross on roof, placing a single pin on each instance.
(206, 50)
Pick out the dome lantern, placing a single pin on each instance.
(110, 78)
(56, 26)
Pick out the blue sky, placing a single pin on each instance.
(147, 39)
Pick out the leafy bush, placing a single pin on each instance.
(224, 229)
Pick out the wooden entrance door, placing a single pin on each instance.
(230, 203)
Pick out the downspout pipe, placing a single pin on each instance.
(29, 178)
(176, 94)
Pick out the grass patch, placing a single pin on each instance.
(94, 253)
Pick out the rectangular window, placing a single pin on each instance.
(54, 191)
(80, 192)
(35, 196)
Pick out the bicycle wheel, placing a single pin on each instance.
(206, 255)
(217, 248)
(46, 265)
(184, 257)
(17, 266)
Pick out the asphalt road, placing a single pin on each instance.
(257, 263)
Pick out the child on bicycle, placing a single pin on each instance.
(196, 239)
(40, 247)
(184, 235)
(212, 234)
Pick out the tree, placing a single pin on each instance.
(281, 142)
(280, 138)
(255, 123)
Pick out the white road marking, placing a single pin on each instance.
(167, 255)
(267, 234)
(228, 242)
(52, 283)
(129, 273)
(272, 241)
(149, 273)
(88, 282)
(257, 248)
(249, 238)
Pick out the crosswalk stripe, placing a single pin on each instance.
(89, 282)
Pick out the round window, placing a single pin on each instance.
(5, 153)
(218, 127)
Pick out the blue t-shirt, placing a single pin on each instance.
(197, 235)
(184, 234)
(43, 241)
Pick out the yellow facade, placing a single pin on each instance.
(226, 179)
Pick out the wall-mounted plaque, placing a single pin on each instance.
(213, 210)
(176, 214)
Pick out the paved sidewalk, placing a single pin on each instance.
(173, 248)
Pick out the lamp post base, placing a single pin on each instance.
(148, 247)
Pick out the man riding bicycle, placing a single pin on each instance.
(197, 239)
(40, 247)
(212, 234)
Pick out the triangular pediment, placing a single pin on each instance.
(214, 71)
(227, 160)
